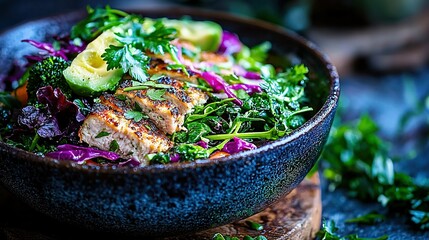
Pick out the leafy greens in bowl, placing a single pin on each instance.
(137, 94)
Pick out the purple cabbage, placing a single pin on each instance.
(218, 84)
(132, 162)
(66, 49)
(250, 89)
(241, 72)
(230, 43)
(175, 157)
(237, 145)
(81, 154)
(202, 144)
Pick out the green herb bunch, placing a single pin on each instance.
(357, 160)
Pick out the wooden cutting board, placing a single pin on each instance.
(297, 217)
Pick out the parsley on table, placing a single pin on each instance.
(369, 218)
(357, 160)
(329, 232)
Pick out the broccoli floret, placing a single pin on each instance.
(48, 72)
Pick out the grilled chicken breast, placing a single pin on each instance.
(134, 139)
(168, 114)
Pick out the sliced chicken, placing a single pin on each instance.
(167, 114)
(107, 125)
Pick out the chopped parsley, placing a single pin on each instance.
(102, 134)
(114, 146)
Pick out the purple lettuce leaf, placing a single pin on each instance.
(60, 117)
(58, 104)
(230, 43)
(81, 154)
(35, 119)
(237, 145)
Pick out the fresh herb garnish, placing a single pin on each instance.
(136, 116)
(156, 94)
(357, 160)
(102, 134)
(130, 54)
(146, 85)
(114, 146)
(329, 232)
(97, 21)
(369, 218)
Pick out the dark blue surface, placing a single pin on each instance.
(387, 98)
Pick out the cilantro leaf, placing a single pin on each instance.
(131, 54)
(156, 94)
(137, 116)
(129, 58)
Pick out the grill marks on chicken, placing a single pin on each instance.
(134, 139)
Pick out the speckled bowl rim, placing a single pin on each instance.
(328, 106)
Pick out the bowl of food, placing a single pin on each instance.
(161, 122)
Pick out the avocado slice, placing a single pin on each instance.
(88, 75)
(206, 35)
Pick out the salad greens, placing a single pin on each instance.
(249, 100)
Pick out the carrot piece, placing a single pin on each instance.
(219, 154)
(21, 94)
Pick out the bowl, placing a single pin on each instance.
(163, 200)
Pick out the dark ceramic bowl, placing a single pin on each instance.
(176, 198)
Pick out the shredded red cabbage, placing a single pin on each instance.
(250, 89)
(202, 144)
(81, 154)
(132, 162)
(241, 72)
(237, 145)
(218, 84)
(230, 43)
(175, 157)
(66, 49)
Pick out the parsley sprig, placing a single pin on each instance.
(134, 44)
(329, 232)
